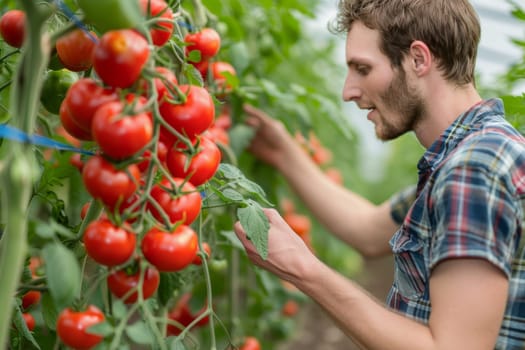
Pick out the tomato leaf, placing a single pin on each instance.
(62, 273)
(177, 344)
(49, 311)
(103, 328)
(169, 283)
(256, 225)
(140, 333)
(21, 325)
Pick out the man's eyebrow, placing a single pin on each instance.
(356, 62)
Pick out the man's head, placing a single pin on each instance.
(450, 29)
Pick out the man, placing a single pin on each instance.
(459, 267)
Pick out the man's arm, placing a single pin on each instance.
(363, 225)
(468, 298)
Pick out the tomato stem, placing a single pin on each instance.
(19, 169)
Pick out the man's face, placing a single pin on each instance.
(395, 107)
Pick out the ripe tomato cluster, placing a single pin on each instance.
(155, 141)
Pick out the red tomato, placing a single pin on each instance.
(121, 282)
(165, 81)
(30, 298)
(83, 98)
(217, 135)
(202, 67)
(30, 320)
(224, 120)
(251, 343)
(75, 49)
(118, 134)
(192, 117)
(218, 69)
(162, 30)
(202, 165)
(70, 126)
(170, 251)
(76, 161)
(108, 244)
(182, 204)
(108, 184)
(299, 223)
(119, 57)
(72, 327)
(290, 308)
(183, 316)
(162, 151)
(207, 250)
(12, 27)
(207, 41)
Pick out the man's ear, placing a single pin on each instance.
(420, 57)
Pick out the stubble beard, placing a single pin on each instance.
(403, 101)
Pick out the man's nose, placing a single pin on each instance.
(351, 91)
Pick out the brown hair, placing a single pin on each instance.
(451, 30)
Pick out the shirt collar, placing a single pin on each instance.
(457, 131)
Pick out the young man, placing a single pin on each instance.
(459, 267)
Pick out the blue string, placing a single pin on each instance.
(70, 15)
(12, 133)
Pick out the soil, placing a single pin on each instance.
(317, 331)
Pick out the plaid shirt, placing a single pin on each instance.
(469, 202)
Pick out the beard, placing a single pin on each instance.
(404, 101)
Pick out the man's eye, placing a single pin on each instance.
(362, 70)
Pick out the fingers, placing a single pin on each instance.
(255, 112)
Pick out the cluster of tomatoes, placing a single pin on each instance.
(156, 143)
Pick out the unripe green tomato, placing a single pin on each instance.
(54, 89)
(111, 14)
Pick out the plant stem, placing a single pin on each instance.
(18, 169)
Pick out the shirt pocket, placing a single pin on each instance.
(410, 277)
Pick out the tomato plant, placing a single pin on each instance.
(108, 244)
(12, 27)
(119, 57)
(170, 251)
(72, 327)
(146, 219)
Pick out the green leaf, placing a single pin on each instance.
(234, 240)
(119, 308)
(232, 195)
(140, 333)
(169, 283)
(256, 225)
(103, 328)
(21, 325)
(62, 273)
(240, 137)
(49, 311)
(229, 172)
(177, 344)
(255, 190)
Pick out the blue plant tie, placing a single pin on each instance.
(12, 133)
